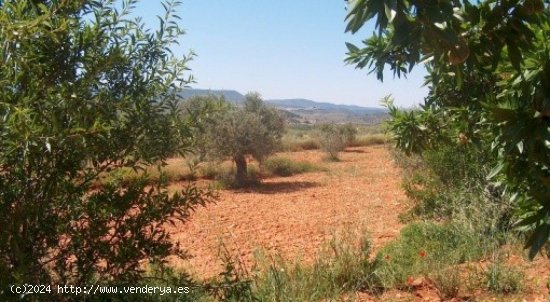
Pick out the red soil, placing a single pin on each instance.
(294, 216)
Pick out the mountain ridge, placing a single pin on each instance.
(310, 111)
(298, 103)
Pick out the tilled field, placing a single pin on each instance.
(294, 216)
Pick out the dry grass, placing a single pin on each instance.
(176, 169)
(302, 140)
(369, 140)
(284, 166)
(294, 144)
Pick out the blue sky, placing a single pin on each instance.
(280, 48)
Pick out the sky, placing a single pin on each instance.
(281, 49)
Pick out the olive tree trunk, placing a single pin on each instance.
(240, 162)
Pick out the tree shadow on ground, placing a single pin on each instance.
(354, 151)
(277, 187)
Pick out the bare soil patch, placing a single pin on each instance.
(294, 216)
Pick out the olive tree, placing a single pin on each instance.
(253, 129)
(85, 90)
(201, 112)
(489, 78)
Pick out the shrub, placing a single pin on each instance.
(309, 144)
(86, 89)
(422, 248)
(474, 98)
(282, 166)
(212, 170)
(450, 182)
(335, 138)
(234, 283)
(348, 133)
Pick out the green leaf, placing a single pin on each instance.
(472, 12)
(540, 215)
(441, 25)
(459, 77)
(538, 239)
(391, 10)
(502, 114)
(351, 47)
(495, 171)
(519, 145)
(514, 54)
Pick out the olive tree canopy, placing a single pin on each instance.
(85, 90)
(253, 129)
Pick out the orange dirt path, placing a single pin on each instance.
(294, 216)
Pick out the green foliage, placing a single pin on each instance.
(292, 141)
(348, 133)
(489, 80)
(213, 170)
(504, 279)
(414, 130)
(160, 276)
(201, 112)
(448, 282)
(85, 89)
(335, 138)
(282, 166)
(343, 266)
(423, 248)
(233, 284)
(173, 171)
(449, 182)
(255, 129)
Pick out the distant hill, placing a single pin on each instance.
(303, 104)
(303, 110)
(229, 95)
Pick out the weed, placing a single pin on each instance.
(503, 279)
(175, 170)
(233, 284)
(300, 138)
(213, 170)
(369, 140)
(309, 144)
(331, 157)
(447, 282)
(334, 138)
(294, 144)
(425, 247)
(342, 266)
(282, 166)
